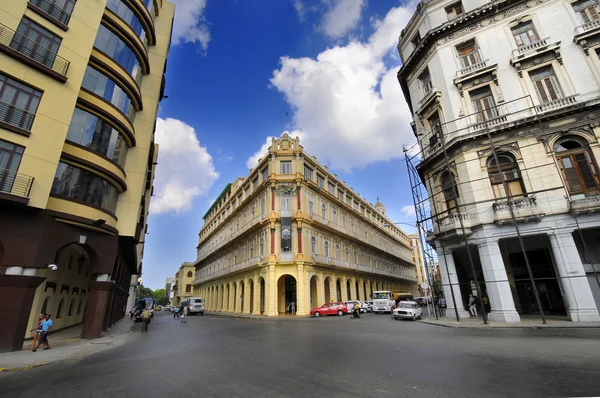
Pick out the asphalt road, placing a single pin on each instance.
(324, 357)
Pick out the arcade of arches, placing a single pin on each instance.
(272, 290)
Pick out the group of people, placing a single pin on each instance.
(40, 333)
(180, 313)
(474, 302)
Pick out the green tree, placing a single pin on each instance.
(160, 297)
(144, 292)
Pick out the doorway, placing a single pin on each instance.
(286, 288)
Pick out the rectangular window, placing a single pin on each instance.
(525, 34)
(587, 10)
(334, 214)
(255, 184)
(324, 211)
(286, 202)
(36, 42)
(60, 10)
(10, 159)
(468, 54)
(313, 245)
(349, 201)
(545, 83)
(261, 247)
(311, 206)
(285, 167)
(320, 181)
(340, 196)
(347, 254)
(188, 288)
(337, 251)
(579, 172)
(308, 173)
(483, 103)
(416, 40)
(18, 103)
(327, 248)
(262, 207)
(265, 174)
(331, 188)
(251, 250)
(454, 11)
(344, 221)
(356, 206)
(425, 82)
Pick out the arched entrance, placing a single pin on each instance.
(217, 307)
(262, 295)
(222, 298)
(286, 294)
(338, 290)
(348, 290)
(365, 290)
(327, 289)
(242, 296)
(251, 298)
(314, 300)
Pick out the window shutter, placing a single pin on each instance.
(539, 85)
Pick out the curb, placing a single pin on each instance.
(541, 326)
(37, 365)
(238, 316)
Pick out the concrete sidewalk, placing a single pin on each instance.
(477, 323)
(237, 315)
(67, 346)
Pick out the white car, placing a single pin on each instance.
(368, 305)
(408, 310)
(350, 306)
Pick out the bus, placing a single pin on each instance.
(145, 303)
(383, 301)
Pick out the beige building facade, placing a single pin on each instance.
(80, 83)
(415, 245)
(182, 284)
(291, 236)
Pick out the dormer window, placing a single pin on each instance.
(425, 82)
(454, 11)
(587, 10)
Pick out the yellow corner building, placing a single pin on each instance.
(80, 83)
(182, 287)
(291, 236)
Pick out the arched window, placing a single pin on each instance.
(189, 274)
(60, 308)
(577, 166)
(79, 306)
(450, 193)
(45, 306)
(509, 173)
(71, 307)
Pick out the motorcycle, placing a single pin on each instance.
(355, 313)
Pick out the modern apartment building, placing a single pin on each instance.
(292, 232)
(80, 83)
(505, 97)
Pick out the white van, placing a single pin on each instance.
(195, 305)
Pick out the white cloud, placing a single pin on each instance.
(264, 149)
(341, 17)
(185, 169)
(346, 102)
(408, 210)
(190, 24)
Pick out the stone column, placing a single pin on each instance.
(246, 301)
(301, 292)
(271, 291)
(580, 301)
(231, 297)
(496, 283)
(256, 306)
(447, 266)
(344, 289)
(16, 296)
(96, 307)
(332, 288)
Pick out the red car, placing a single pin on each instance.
(333, 308)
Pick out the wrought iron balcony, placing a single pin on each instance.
(557, 104)
(16, 116)
(14, 183)
(11, 41)
(50, 8)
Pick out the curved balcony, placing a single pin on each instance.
(317, 260)
(33, 54)
(146, 18)
(102, 61)
(86, 157)
(129, 36)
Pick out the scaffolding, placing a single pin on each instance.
(442, 214)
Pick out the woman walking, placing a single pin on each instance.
(37, 331)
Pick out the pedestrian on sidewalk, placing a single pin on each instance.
(176, 313)
(184, 314)
(37, 331)
(473, 305)
(46, 325)
(146, 315)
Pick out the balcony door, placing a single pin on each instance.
(483, 104)
(36, 42)
(10, 159)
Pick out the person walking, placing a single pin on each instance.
(37, 331)
(45, 326)
(473, 305)
(176, 313)
(184, 314)
(146, 316)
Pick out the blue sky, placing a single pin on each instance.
(236, 67)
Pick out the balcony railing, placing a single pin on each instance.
(33, 50)
(362, 268)
(205, 253)
(557, 104)
(586, 27)
(454, 223)
(474, 67)
(229, 269)
(15, 183)
(587, 205)
(524, 210)
(530, 47)
(16, 116)
(54, 11)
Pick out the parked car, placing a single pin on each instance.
(422, 301)
(334, 308)
(350, 305)
(368, 305)
(408, 310)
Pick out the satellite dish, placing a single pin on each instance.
(424, 285)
